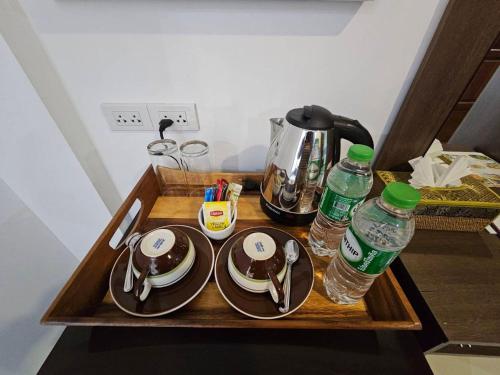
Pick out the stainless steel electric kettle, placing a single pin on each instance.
(305, 147)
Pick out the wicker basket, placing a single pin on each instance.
(468, 208)
(458, 224)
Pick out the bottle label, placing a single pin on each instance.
(337, 207)
(362, 256)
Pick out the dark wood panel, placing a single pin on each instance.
(479, 81)
(453, 121)
(431, 335)
(458, 276)
(465, 33)
(494, 52)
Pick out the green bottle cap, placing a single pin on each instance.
(401, 195)
(360, 153)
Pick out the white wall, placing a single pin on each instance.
(25, 45)
(37, 163)
(34, 266)
(241, 62)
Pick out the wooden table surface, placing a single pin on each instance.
(458, 276)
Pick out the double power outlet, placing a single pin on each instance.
(146, 117)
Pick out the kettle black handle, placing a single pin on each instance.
(352, 130)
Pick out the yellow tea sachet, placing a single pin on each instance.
(217, 215)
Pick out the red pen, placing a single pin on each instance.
(219, 190)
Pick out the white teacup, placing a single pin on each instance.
(161, 258)
(257, 265)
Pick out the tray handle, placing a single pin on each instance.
(89, 283)
(145, 192)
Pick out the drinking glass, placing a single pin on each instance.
(164, 155)
(195, 156)
(196, 163)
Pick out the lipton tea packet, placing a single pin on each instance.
(217, 215)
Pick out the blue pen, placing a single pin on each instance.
(208, 194)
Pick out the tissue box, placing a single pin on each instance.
(466, 208)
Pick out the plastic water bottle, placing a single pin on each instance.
(347, 185)
(380, 229)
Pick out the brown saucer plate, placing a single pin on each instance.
(260, 305)
(164, 300)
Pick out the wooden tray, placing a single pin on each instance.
(85, 299)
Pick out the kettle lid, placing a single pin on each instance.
(311, 117)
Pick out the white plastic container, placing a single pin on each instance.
(217, 234)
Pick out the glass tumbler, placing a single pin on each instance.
(164, 155)
(196, 163)
(195, 156)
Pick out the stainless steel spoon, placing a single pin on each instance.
(131, 241)
(291, 254)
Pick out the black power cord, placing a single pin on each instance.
(164, 124)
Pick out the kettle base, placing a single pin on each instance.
(285, 217)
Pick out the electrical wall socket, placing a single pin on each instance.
(184, 116)
(178, 117)
(146, 117)
(127, 117)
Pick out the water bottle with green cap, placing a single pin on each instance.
(347, 185)
(380, 229)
